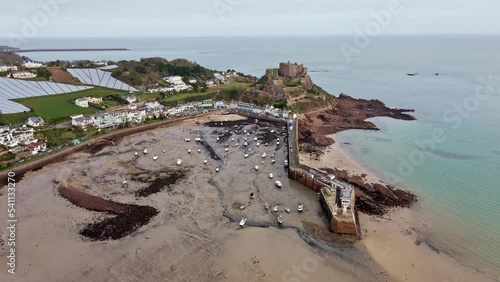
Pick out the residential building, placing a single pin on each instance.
(82, 102)
(22, 74)
(35, 121)
(130, 99)
(94, 100)
(32, 65)
(37, 147)
(8, 68)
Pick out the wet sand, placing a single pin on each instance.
(391, 240)
(195, 236)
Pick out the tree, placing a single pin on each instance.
(141, 69)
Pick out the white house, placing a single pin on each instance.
(132, 107)
(22, 74)
(82, 102)
(32, 65)
(37, 147)
(177, 83)
(220, 105)
(130, 99)
(35, 121)
(8, 68)
(152, 104)
(219, 77)
(94, 100)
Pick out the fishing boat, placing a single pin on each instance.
(179, 161)
(155, 157)
(300, 207)
(264, 155)
(279, 184)
(271, 175)
(280, 219)
(252, 195)
(275, 208)
(145, 151)
(243, 221)
(287, 210)
(266, 206)
(256, 167)
(242, 207)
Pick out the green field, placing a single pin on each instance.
(56, 108)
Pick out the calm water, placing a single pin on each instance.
(457, 180)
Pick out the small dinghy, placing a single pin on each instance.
(189, 151)
(205, 162)
(145, 151)
(227, 149)
(197, 139)
(155, 157)
(218, 138)
(243, 221)
(187, 139)
(252, 195)
(232, 139)
(264, 155)
(272, 131)
(124, 182)
(300, 207)
(242, 207)
(164, 151)
(275, 208)
(245, 139)
(262, 162)
(179, 162)
(217, 169)
(246, 155)
(279, 184)
(280, 219)
(287, 210)
(245, 144)
(255, 139)
(258, 144)
(256, 167)
(135, 154)
(266, 206)
(236, 145)
(267, 144)
(199, 150)
(271, 175)
(273, 161)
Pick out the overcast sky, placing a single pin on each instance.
(100, 18)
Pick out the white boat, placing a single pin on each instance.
(279, 184)
(217, 169)
(264, 155)
(242, 207)
(245, 139)
(278, 143)
(236, 145)
(246, 155)
(179, 161)
(272, 131)
(300, 207)
(135, 154)
(275, 208)
(287, 210)
(145, 151)
(248, 134)
(266, 206)
(164, 151)
(187, 139)
(232, 139)
(258, 144)
(262, 162)
(218, 138)
(267, 144)
(189, 151)
(256, 167)
(280, 219)
(273, 161)
(155, 157)
(197, 139)
(271, 175)
(255, 139)
(205, 161)
(245, 144)
(199, 150)
(124, 182)
(243, 221)
(252, 195)
(227, 149)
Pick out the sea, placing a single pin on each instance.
(449, 156)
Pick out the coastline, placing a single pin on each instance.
(391, 240)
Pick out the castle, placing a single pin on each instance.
(293, 70)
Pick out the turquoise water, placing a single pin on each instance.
(457, 180)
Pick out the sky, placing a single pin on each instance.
(162, 18)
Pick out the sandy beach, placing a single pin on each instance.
(391, 240)
(195, 236)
